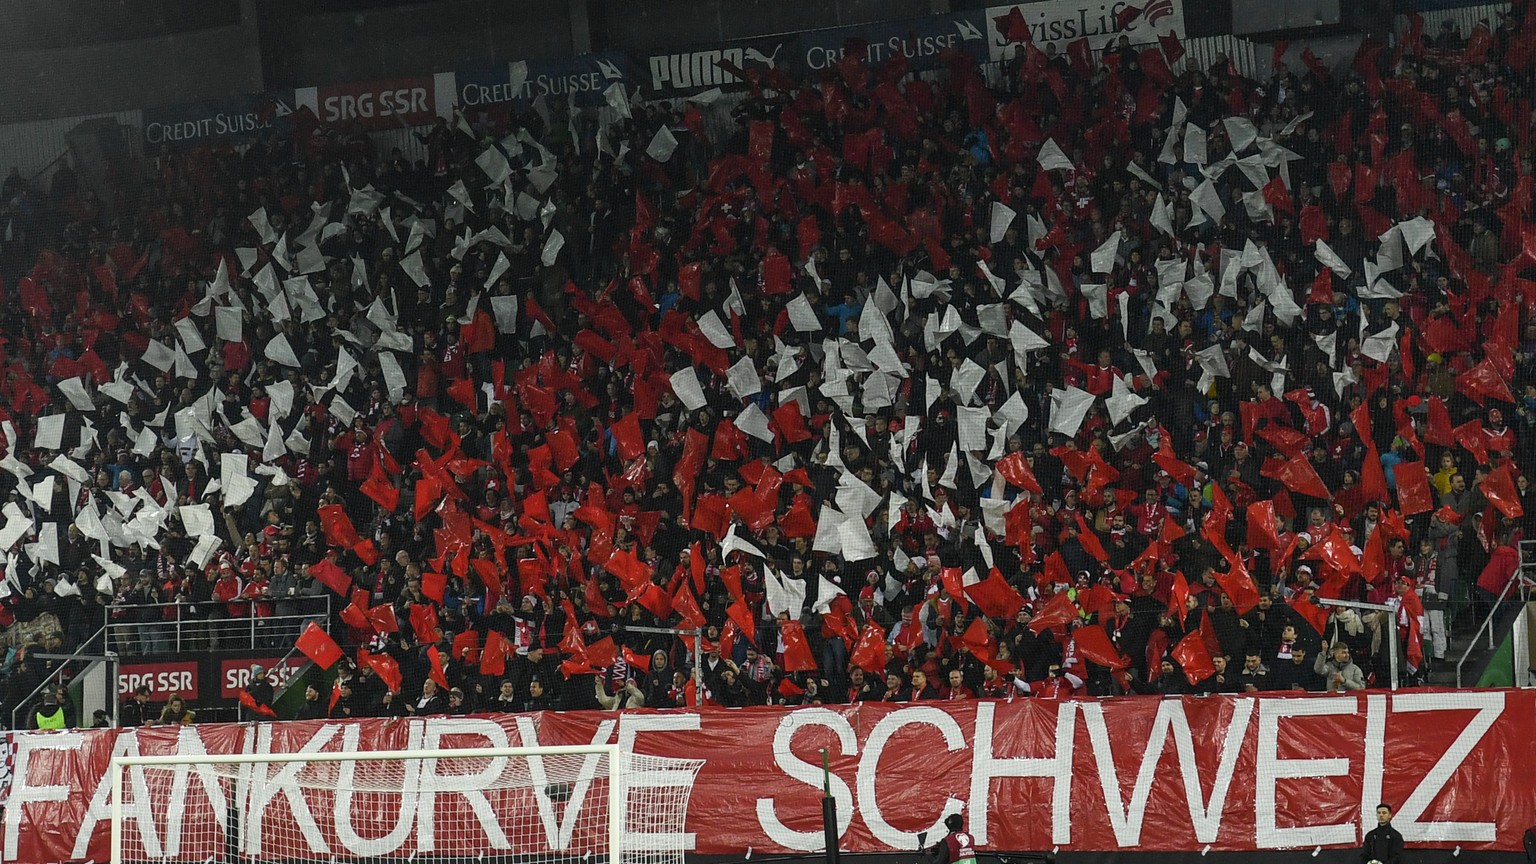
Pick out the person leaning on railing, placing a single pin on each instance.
(176, 713)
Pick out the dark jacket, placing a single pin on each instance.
(1383, 844)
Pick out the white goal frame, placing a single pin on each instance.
(617, 793)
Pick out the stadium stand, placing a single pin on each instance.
(1087, 378)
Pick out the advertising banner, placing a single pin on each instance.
(921, 40)
(373, 104)
(582, 79)
(235, 674)
(1062, 22)
(162, 678)
(239, 118)
(695, 70)
(1228, 773)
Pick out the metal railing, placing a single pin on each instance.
(1521, 580)
(176, 628)
(89, 653)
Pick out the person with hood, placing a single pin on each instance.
(659, 682)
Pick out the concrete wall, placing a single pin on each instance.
(116, 76)
(645, 24)
(416, 39)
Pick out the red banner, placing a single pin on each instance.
(1238, 773)
(162, 679)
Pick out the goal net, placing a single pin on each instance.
(594, 805)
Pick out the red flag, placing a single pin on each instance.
(331, 576)
(1310, 612)
(1314, 227)
(791, 423)
(742, 615)
(637, 660)
(383, 666)
(869, 653)
(1298, 475)
(424, 623)
(1413, 490)
(1238, 585)
(378, 487)
(1056, 614)
(434, 585)
(493, 660)
(1093, 643)
(628, 437)
(1373, 478)
(1470, 436)
(338, 526)
(318, 646)
(995, 597)
(1015, 468)
(1437, 425)
(1194, 657)
(687, 606)
(1173, 49)
(1483, 382)
(382, 619)
(435, 672)
(1169, 461)
(1178, 597)
(250, 703)
(1499, 488)
(1012, 26)
(467, 644)
(1261, 526)
(797, 652)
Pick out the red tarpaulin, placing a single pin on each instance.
(1267, 772)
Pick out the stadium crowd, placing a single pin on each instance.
(1076, 377)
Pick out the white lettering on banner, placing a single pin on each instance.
(470, 786)
(869, 763)
(541, 85)
(188, 743)
(1489, 706)
(351, 841)
(282, 778)
(1375, 753)
(139, 804)
(161, 682)
(810, 774)
(559, 836)
(24, 791)
(170, 810)
(986, 767)
(219, 124)
(1204, 817)
(913, 48)
(630, 728)
(1058, 22)
(1271, 769)
(388, 103)
(238, 675)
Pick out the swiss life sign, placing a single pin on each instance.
(1232, 773)
(374, 104)
(1062, 22)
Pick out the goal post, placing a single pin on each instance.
(594, 804)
